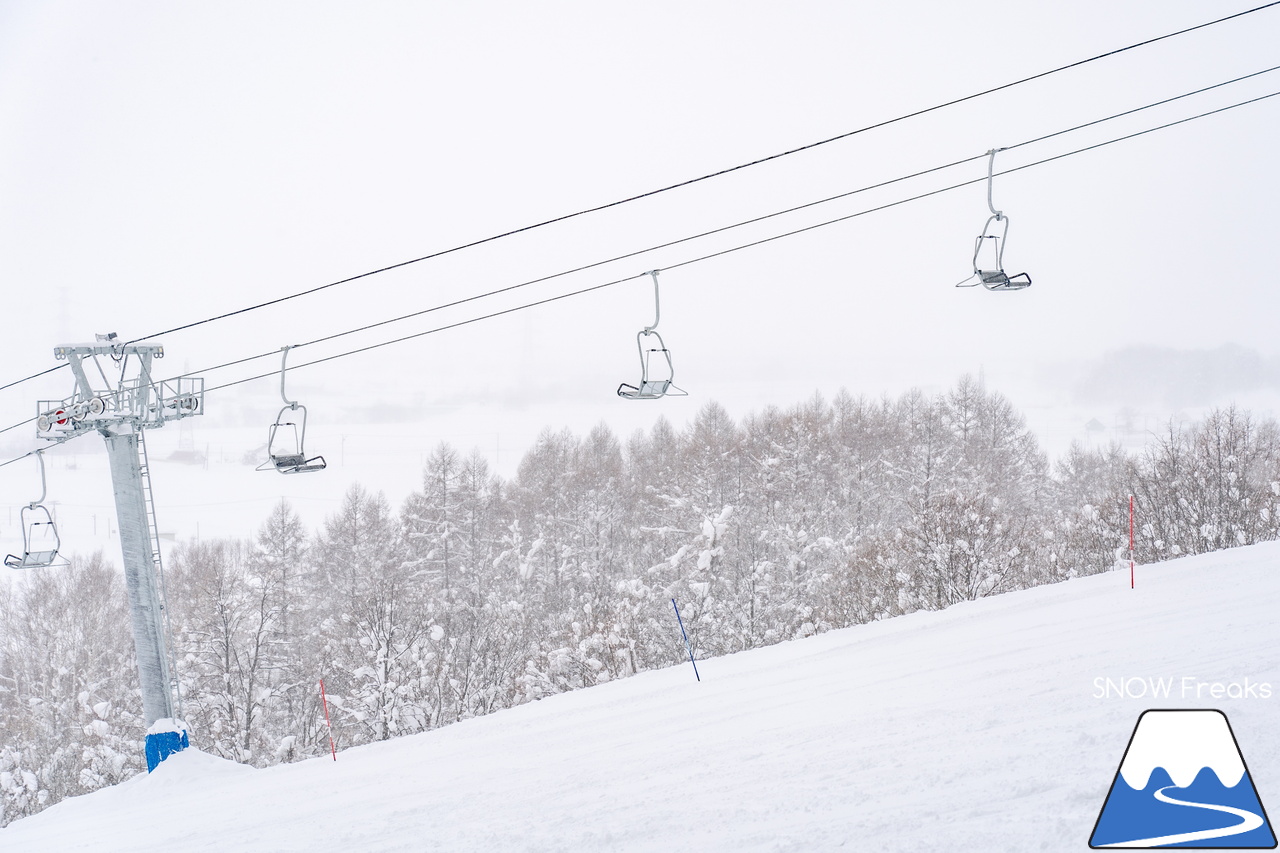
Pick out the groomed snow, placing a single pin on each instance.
(978, 728)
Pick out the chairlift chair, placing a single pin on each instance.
(988, 266)
(289, 456)
(988, 248)
(652, 386)
(40, 540)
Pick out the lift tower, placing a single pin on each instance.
(117, 396)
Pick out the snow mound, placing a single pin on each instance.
(189, 767)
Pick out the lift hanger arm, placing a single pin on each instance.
(657, 306)
(991, 166)
(284, 358)
(44, 484)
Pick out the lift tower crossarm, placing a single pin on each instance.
(139, 402)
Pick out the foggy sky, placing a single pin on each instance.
(164, 163)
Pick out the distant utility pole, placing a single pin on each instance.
(121, 408)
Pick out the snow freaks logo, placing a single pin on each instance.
(1186, 687)
(1183, 783)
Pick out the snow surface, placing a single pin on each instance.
(981, 727)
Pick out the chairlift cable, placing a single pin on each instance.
(473, 320)
(709, 256)
(52, 443)
(725, 228)
(23, 456)
(981, 180)
(711, 232)
(19, 424)
(592, 265)
(716, 174)
(32, 376)
(1140, 109)
(743, 246)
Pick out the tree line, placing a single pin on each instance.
(477, 594)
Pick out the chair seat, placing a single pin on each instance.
(652, 390)
(297, 464)
(31, 560)
(1000, 280)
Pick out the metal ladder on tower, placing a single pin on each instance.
(158, 565)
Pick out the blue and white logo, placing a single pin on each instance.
(1183, 783)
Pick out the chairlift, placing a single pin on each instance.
(286, 442)
(656, 381)
(40, 541)
(988, 248)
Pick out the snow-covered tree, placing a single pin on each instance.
(374, 619)
(69, 706)
(231, 611)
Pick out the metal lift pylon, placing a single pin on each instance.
(121, 410)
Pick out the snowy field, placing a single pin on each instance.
(977, 728)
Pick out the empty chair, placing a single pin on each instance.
(656, 379)
(286, 442)
(988, 249)
(651, 387)
(40, 540)
(286, 451)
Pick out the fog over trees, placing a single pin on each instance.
(478, 594)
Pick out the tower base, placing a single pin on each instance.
(164, 739)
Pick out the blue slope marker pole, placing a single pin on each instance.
(686, 641)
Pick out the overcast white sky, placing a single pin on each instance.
(165, 162)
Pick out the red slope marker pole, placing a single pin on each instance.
(1131, 542)
(328, 725)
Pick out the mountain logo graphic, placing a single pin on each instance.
(1183, 783)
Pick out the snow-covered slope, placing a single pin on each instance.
(984, 727)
